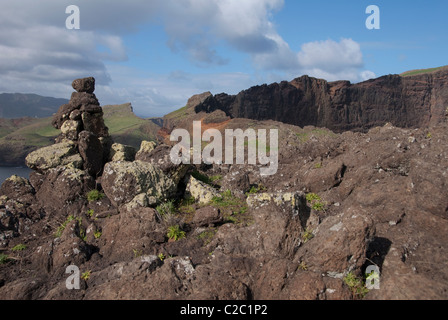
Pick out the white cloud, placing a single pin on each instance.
(333, 60)
(38, 54)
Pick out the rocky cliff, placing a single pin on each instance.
(407, 102)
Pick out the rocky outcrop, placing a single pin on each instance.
(123, 181)
(147, 229)
(406, 102)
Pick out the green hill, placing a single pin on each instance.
(18, 105)
(422, 71)
(18, 137)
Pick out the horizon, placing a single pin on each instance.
(156, 55)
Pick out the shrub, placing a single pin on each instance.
(175, 233)
(95, 195)
(3, 258)
(19, 247)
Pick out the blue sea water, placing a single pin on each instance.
(6, 172)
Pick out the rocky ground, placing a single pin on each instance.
(139, 227)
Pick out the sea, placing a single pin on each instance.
(6, 172)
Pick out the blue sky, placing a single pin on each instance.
(156, 54)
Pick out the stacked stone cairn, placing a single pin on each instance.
(84, 139)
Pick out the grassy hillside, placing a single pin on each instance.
(421, 71)
(18, 137)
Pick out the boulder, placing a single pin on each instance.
(207, 216)
(201, 192)
(91, 151)
(60, 154)
(121, 152)
(122, 181)
(70, 183)
(84, 85)
(94, 123)
(160, 157)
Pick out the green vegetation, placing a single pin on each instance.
(161, 256)
(90, 212)
(137, 253)
(3, 258)
(95, 195)
(421, 71)
(256, 189)
(206, 179)
(166, 208)
(356, 285)
(62, 227)
(234, 209)
(97, 234)
(316, 202)
(86, 275)
(175, 233)
(19, 247)
(207, 235)
(307, 235)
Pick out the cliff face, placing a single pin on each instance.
(412, 101)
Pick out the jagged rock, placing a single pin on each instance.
(94, 123)
(80, 99)
(84, 85)
(122, 181)
(207, 216)
(121, 152)
(201, 192)
(91, 151)
(411, 101)
(16, 187)
(160, 157)
(60, 154)
(71, 185)
(338, 244)
(295, 201)
(146, 148)
(70, 129)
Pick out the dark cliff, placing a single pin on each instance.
(411, 101)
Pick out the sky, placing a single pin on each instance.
(156, 54)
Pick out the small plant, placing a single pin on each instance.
(95, 195)
(429, 135)
(97, 234)
(161, 256)
(307, 235)
(302, 266)
(356, 285)
(166, 208)
(316, 202)
(137, 253)
(207, 236)
(318, 165)
(62, 227)
(86, 275)
(3, 258)
(19, 247)
(256, 189)
(175, 233)
(90, 212)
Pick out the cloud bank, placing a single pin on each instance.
(38, 54)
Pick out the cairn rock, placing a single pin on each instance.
(84, 85)
(53, 156)
(91, 151)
